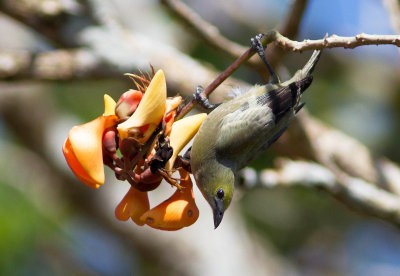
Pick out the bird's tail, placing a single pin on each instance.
(297, 89)
(312, 62)
(302, 79)
(308, 68)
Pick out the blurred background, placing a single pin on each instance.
(58, 58)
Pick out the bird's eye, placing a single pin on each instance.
(220, 193)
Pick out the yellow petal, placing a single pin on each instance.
(84, 152)
(151, 108)
(182, 132)
(178, 211)
(134, 204)
(109, 105)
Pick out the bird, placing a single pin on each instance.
(237, 131)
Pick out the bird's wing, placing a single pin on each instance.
(241, 130)
(261, 118)
(258, 122)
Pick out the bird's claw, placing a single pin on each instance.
(257, 45)
(202, 100)
(182, 162)
(169, 179)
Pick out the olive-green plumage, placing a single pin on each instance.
(239, 130)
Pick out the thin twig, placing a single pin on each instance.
(223, 76)
(289, 27)
(291, 22)
(285, 43)
(334, 41)
(204, 29)
(211, 35)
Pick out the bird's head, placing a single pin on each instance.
(217, 187)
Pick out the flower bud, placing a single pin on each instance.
(110, 140)
(128, 103)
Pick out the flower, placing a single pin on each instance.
(178, 211)
(83, 147)
(134, 204)
(141, 127)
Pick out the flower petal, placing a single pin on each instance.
(134, 204)
(182, 132)
(170, 112)
(83, 150)
(151, 108)
(109, 105)
(76, 166)
(172, 103)
(178, 211)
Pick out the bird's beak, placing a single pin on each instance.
(218, 210)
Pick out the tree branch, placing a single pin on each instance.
(355, 193)
(333, 41)
(47, 18)
(208, 32)
(289, 28)
(53, 65)
(308, 138)
(291, 23)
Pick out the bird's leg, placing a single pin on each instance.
(299, 107)
(202, 100)
(169, 179)
(184, 161)
(257, 45)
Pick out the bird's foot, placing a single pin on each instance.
(169, 179)
(182, 162)
(299, 107)
(259, 48)
(202, 100)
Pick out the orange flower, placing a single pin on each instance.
(178, 211)
(83, 147)
(134, 204)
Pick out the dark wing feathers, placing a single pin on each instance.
(284, 98)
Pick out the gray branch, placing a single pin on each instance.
(356, 193)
